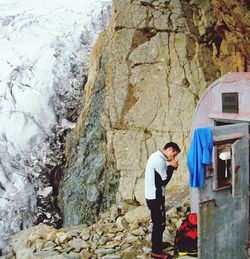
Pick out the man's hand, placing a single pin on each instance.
(175, 164)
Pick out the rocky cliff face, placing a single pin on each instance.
(147, 72)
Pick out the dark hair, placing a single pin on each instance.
(173, 145)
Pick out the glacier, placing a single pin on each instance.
(44, 50)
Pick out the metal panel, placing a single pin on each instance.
(206, 229)
(223, 212)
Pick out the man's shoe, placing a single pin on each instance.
(167, 245)
(161, 256)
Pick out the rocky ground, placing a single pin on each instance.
(114, 236)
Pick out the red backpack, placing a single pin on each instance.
(186, 236)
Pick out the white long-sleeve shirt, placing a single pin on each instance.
(157, 163)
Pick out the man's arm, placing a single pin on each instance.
(170, 170)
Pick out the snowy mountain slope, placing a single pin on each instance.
(44, 47)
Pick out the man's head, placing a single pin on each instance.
(171, 150)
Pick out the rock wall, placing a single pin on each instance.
(147, 71)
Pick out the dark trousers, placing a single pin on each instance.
(158, 216)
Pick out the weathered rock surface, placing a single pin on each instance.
(147, 71)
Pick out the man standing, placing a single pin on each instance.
(159, 170)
